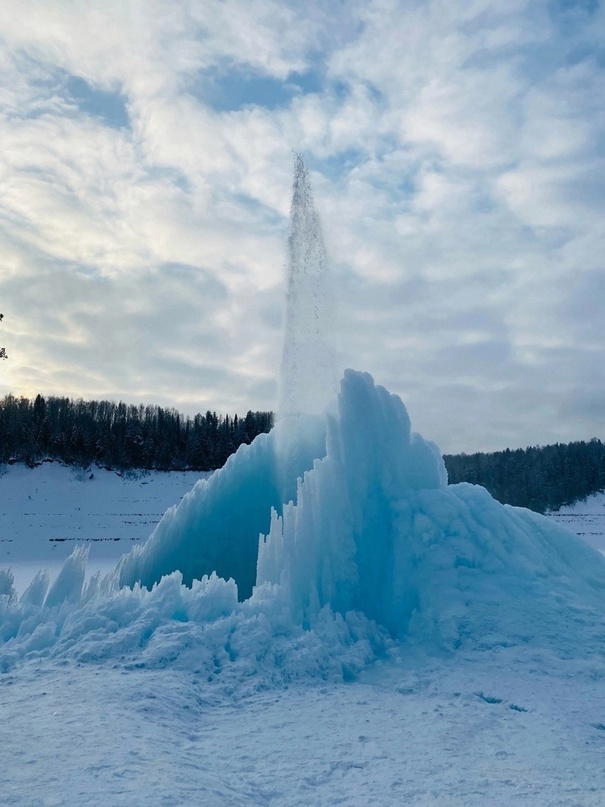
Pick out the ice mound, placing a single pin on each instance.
(376, 529)
(362, 542)
(338, 545)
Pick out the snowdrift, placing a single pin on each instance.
(362, 543)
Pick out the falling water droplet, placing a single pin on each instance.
(309, 376)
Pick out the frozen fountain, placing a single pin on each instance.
(334, 527)
(216, 527)
(354, 511)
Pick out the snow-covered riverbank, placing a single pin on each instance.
(46, 511)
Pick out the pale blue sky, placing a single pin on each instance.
(457, 156)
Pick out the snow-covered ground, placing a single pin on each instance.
(146, 712)
(46, 511)
(586, 519)
(456, 733)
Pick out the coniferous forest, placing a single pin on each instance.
(540, 477)
(124, 437)
(121, 436)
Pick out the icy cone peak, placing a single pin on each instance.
(376, 529)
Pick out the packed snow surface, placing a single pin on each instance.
(406, 641)
(47, 510)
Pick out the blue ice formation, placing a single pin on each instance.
(362, 542)
(338, 544)
(376, 529)
(216, 526)
(355, 514)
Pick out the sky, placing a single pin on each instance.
(457, 155)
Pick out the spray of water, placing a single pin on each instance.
(309, 375)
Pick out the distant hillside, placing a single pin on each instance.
(541, 477)
(120, 435)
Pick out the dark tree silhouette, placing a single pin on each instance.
(119, 435)
(2, 349)
(539, 477)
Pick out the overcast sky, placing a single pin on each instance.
(457, 156)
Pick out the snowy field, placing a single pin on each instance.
(455, 733)
(139, 724)
(586, 519)
(45, 512)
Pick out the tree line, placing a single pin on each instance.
(121, 436)
(540, 477)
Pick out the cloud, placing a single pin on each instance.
(456, 153)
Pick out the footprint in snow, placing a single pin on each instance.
(493, 700)
(488, 698)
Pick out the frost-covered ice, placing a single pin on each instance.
(407, 642)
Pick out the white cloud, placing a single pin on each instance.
(457, 157)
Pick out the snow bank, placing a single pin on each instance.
(586, 518)
(365, 541)
(49, 509)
